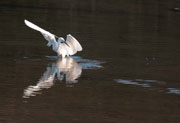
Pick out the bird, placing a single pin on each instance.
(62, 47)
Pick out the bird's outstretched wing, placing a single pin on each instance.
(47, 35)
(73, 44)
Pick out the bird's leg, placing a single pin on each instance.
(63, 55)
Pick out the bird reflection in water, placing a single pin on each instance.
(65, 69)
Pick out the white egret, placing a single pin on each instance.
(60, 46)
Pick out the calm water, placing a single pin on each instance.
(129, 70)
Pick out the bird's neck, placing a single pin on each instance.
(55, 46)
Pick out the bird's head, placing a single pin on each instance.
(61, 39)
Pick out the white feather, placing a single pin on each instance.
(73, 44)
(47, 35)
(35, 27)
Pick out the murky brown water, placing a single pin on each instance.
(129, 70)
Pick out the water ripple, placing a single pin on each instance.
(148, 83)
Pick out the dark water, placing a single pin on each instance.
(129, 70)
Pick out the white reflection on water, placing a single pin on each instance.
(129, 82)
(173, 91)
(68, 69)
(148, 83)
(65, 69)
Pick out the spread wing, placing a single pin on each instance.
(47, 35)
(73, 44)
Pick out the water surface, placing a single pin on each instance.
(128, 71)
